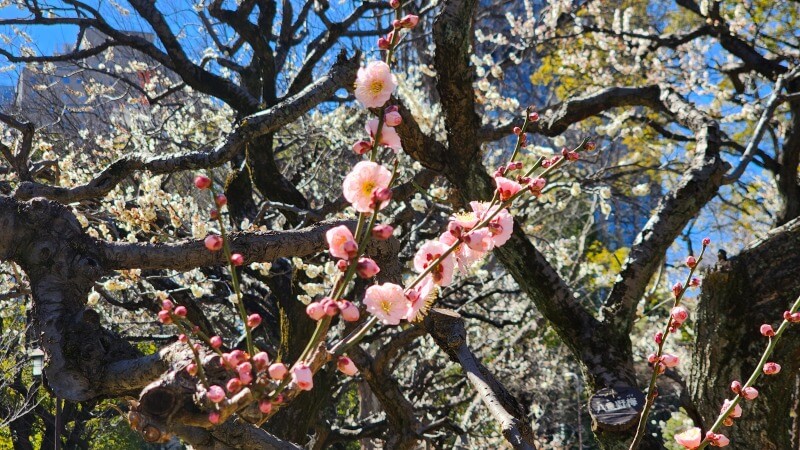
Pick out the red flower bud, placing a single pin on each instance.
(202, 182)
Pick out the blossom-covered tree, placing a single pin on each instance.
(395, 223)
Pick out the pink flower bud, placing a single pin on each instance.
(695, 282)
(367, 268)
(349, 311)
(589, 146)
(706, 242)
(533, 116)
(213, 214)
(652, 358)
(237, 259)
(721, 441)
(382, 232)
(183, 338)
(392, 119)
(736, 387)
(234, 385)
(659, 337)
(329, 306)
(197, 347)
(202, 182)
(669, 360)
(277, 371)
(767, 330)
(215, 341)
(771, 368)
(214, 417)
(245, 371)
(679, 314)
(180, 311)
(750, 393)
(501, 171)
(265, 406)
(735, 413)
(261, 361)
(394, 4)
(361, 147)
(384, 44)
(517, 131)
(302, 376)
(191, 369)
(253, 320)
(380, 196)
(315, 311)
(167, 305)
(342, 265)
(691, 262)
(408, 21)
(164, 317)
(221, 200)
(238, 356)
(690, 438)
(215, 394)
(213, 242)
(346, 366)
(677, 288)
(277, 400)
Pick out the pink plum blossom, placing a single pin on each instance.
(374, 84)
(389, 137)
(431, 250)
(367, 268)
(506, 188)
(735, 413)
(386, 302)
(465, 256)
(362, 181)
(341, 242)
(382, 232)
(501, 225)
(419, 299)
(480, 240)
(690, 438)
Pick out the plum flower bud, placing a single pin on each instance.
(380, 196)
(265, 406)
(384, 43)
(750, 393)
(533, 116)
(659, 337)
(349, 311)
(234, 385)
(302, 376)
(516, 165)
(213, 242)
(677, 288)
(253, 320)
(381, 232)
(220, 200)
(277, 371)
(315, 311)
(736, 387)
(569, 155)
(394, 4)
(167, 305)
(517, 131)
(191, 369)
(367, 268)
(392, 118)
(766, 330)
(735, 413)
(261, 361)
(589, 146)
(361, 147)
(237, 259)
(180, 311)
(183, 338)
(669, 360)
(408, 21)
(679, 314)
(215, 341)
(652, 358)
(695, 282)
(706, 242)
(771, 368)
(214, 417)
(202, 182)
(245, 371)
(342, 265)
(329, 306)
(164, 317)
(346, 366)
(213, 214)
(215, 394)
(721, 441)
(691, 262)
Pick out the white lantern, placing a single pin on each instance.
(37, 356)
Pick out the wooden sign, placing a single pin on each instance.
(616, 409)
